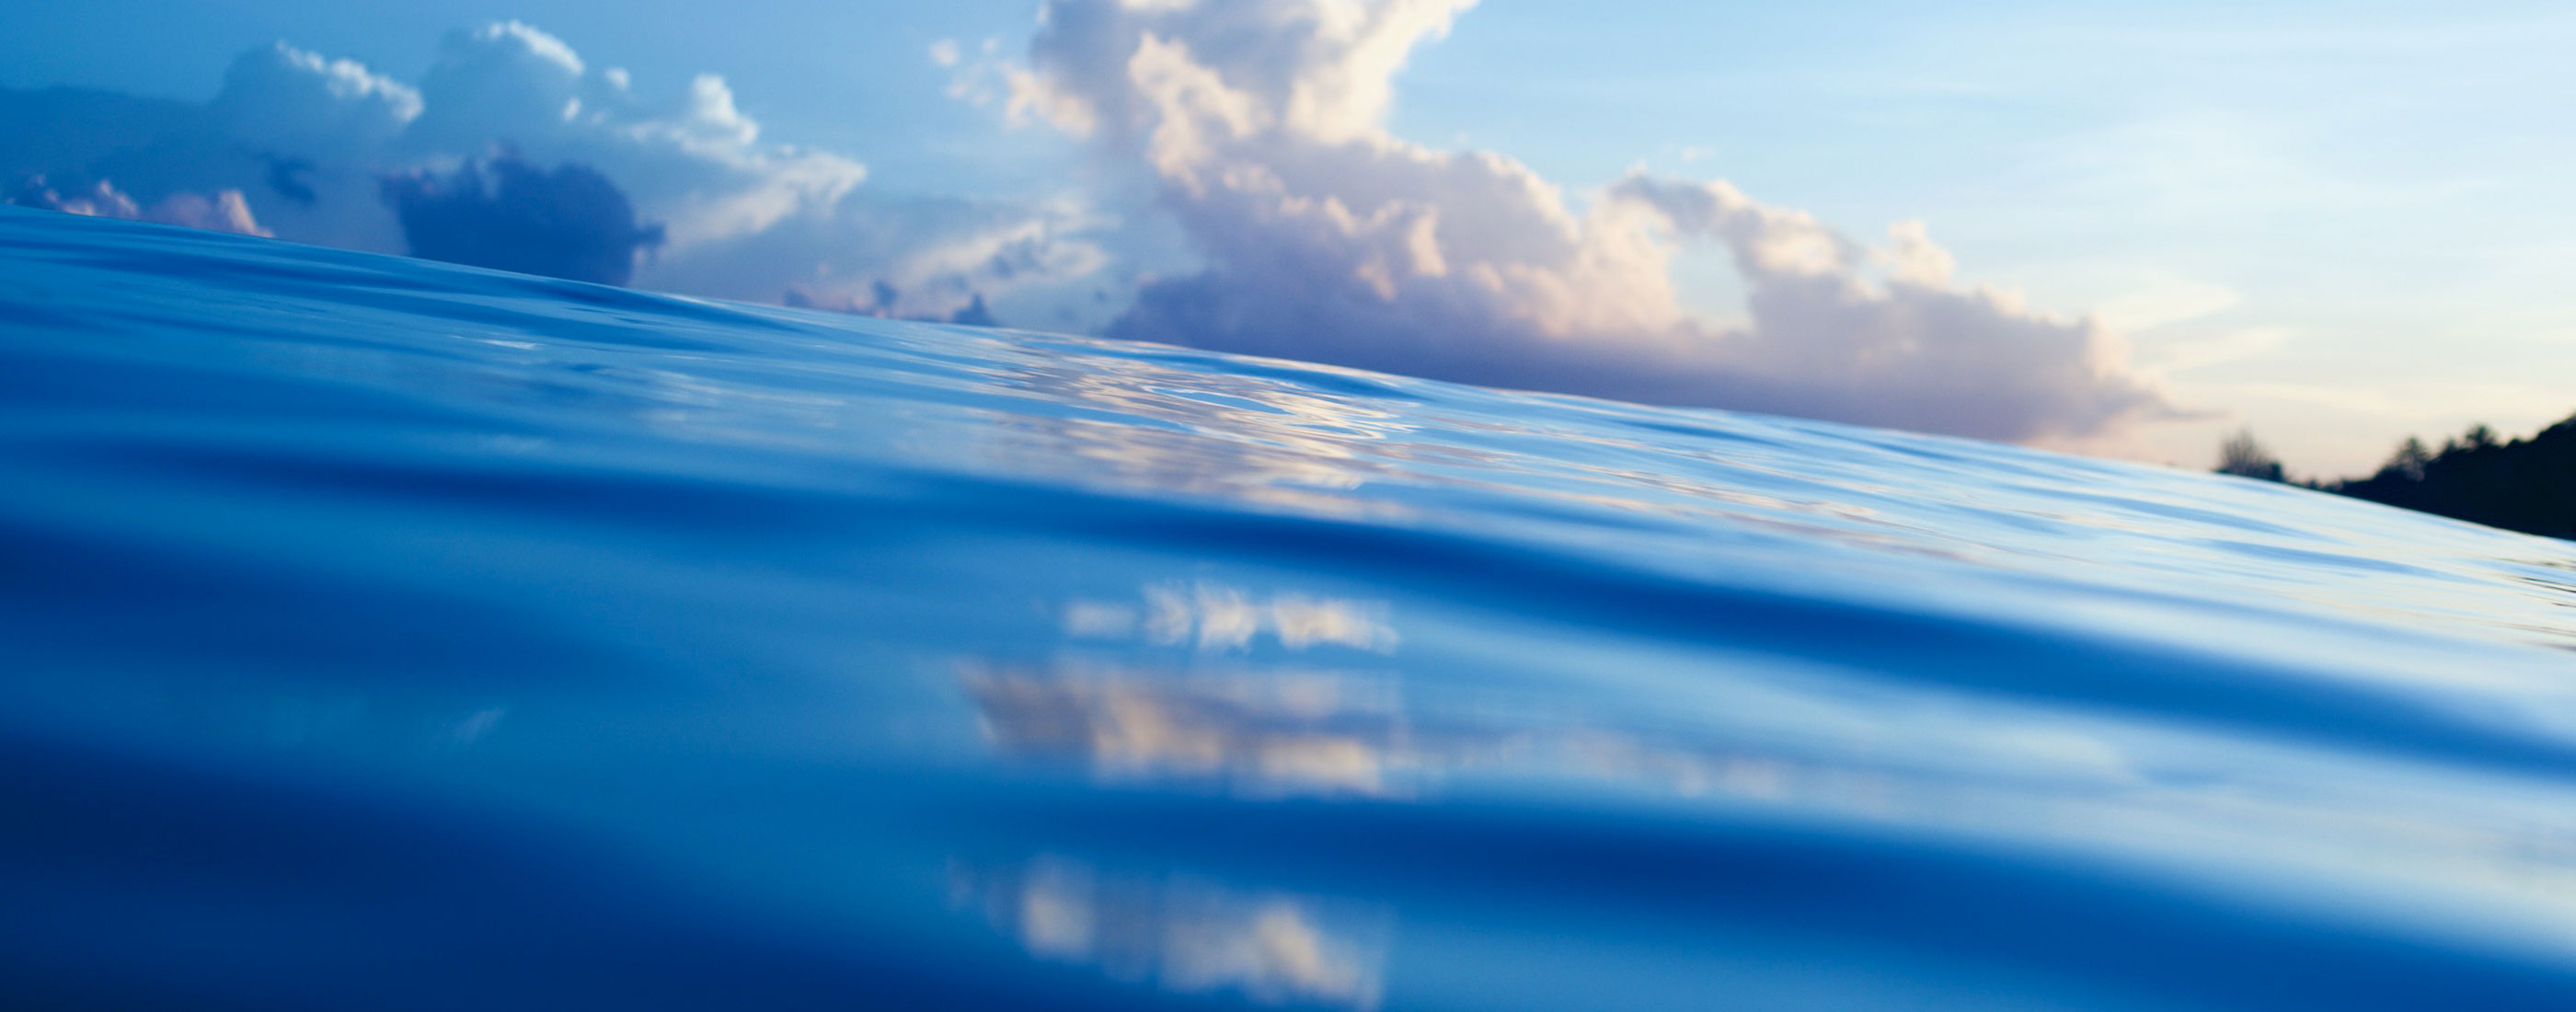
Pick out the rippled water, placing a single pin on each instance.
(380, 634)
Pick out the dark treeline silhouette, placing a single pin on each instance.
(2524, 485)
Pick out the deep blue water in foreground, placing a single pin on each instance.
(380, 634)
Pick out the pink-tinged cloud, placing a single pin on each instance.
(222, 211)
(1328, 238)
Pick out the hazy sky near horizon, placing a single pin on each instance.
(2338, 223)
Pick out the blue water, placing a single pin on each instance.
(382, 634)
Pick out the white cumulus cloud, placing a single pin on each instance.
(1326, 237)
(1258, 132)
(285, 98)
(695, 165)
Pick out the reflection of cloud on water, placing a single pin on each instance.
(1150, 426)
(1737, 486)
(1185, 934)
(1173, 695)
(1214, 616)
(1197, 685)
(1272, 734)
(1141, 425)
(1276, 735)
(2270, 817)
(1267, 732)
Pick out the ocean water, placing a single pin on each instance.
(381, 634)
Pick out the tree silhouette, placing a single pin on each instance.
(2525, 485)
(2240, 455)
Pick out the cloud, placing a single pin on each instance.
(332, 152)
(1254, 131)
(224, 211)
(1907, 350)
(741, 217)
(508, 214)
(283, 99)
(1326, 237)
(697, 164)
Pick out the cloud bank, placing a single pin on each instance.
(512, 151)
(1327, 237)
(1253, 130)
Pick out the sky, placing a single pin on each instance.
(2119, 228)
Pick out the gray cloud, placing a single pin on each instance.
(508, 214)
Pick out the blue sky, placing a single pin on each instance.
(2338, 223)
(2374, 194)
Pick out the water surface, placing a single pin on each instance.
(384, 634)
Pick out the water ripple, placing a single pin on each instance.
(387, 634)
